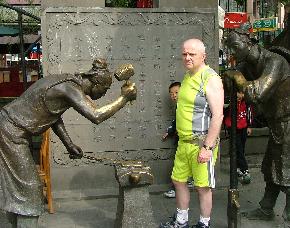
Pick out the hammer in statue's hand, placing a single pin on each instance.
(124, 72)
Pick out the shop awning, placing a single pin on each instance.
(28, 39)
(8, 31)
(9, 44)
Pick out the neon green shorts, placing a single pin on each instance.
(186, 165)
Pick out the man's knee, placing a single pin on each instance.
(202, 190)
(178, 184)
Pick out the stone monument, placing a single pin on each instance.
(150, 39)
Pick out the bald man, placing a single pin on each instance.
(199, 117)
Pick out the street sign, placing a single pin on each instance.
(265, 24)
(235, 19)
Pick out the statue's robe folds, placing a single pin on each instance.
(271, 92)
(30, 114)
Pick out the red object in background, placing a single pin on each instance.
(235, 19)
(34, 55)
(15, 87)
(144, 4)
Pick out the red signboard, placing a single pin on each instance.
(235, 19)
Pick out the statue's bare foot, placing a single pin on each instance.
(259, 214)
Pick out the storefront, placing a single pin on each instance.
(18, 40)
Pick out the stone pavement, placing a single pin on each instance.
(101, 213)
(249, 199)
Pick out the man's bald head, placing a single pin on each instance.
(196, 43)
(193, 54)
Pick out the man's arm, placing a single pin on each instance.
(215, 98)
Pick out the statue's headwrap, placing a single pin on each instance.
(245, 34)
(99, 74)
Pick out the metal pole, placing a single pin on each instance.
(38, 61)
(233, 149)
(234, 220)
(22, 55)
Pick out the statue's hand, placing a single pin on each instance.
(238, 78)
(75, 152)
(129, 91)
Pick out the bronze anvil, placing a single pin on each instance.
(133, 173)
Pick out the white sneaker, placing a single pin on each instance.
(239, 172)
(170, 194)
(246, 177)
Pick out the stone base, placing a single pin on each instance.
(134, 208)
(7, 220)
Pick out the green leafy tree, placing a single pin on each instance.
(285, 2)
(240, 2)
(124, 3)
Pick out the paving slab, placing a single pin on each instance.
(250, 196)
(101, 213)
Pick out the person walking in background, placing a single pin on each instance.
(244, 121)
(171, 132)
(199, 116)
